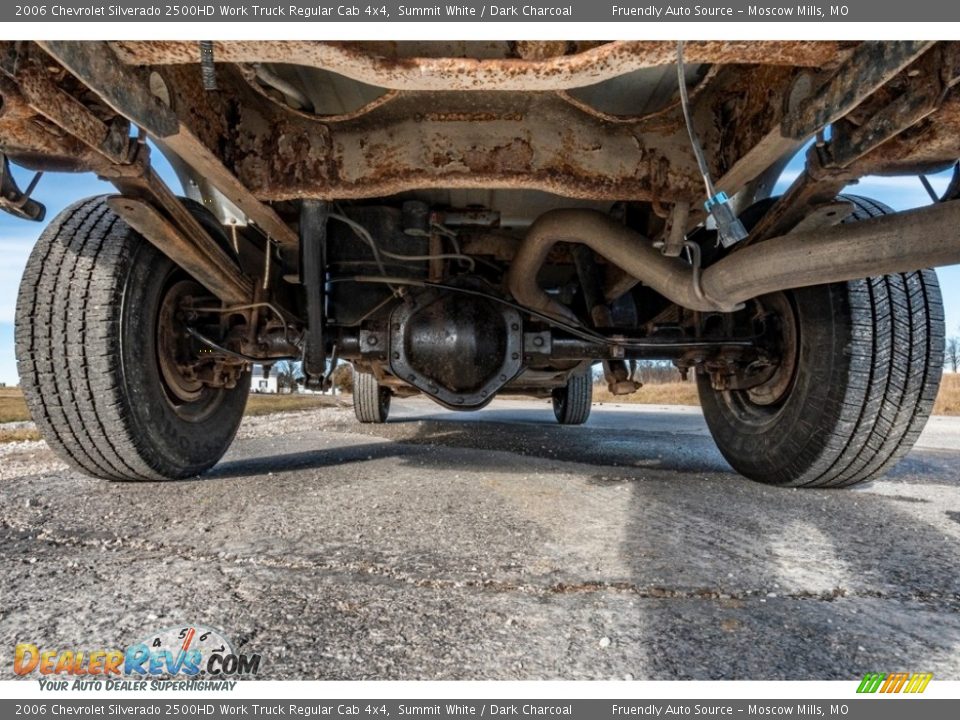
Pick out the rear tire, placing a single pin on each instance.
(867, 368)
(87, 353)
(572, 403)
(371, 401)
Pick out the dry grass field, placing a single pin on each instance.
(670, 393)
(13, 409)
(266, 404)
(948, 399)
(685, 393)
(18, 435)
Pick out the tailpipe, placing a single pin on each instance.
(902, 242)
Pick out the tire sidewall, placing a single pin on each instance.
(786, 440)
(174, 446)
(559, 397)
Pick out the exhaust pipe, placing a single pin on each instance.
(618, 244)
(903, 242)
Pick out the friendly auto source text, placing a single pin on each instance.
(657, 11)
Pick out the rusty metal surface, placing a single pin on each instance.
(198, 255)
(255, 151)
(562, 72)
(868, 68)
(929, 144)
(126, 92)
(911, 123)
(738, 118)
(38, 84)
(513, 140)
(850, 143)
(540, 141)
(34, 142)
(860, 143)
(123, 89)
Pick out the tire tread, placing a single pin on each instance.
(572, 404)
(882, 382)
(371, 403)
(68, 345)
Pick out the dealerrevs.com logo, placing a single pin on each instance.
(193, 652)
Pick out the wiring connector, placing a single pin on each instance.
(729, 228)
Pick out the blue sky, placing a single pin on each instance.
(17, 237)
(57, 191)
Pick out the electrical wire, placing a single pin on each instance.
(248, 306)
(379, 252)
(730, 229)
(364, 235)
(691, 130)
(444, 230)
(424, 258)
(579, 331)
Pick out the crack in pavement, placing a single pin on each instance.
(651, 592)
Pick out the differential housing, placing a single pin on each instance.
(460, 350)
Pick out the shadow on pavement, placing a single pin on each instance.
(733, 579)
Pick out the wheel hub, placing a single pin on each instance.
(773, 389)
(175, 354)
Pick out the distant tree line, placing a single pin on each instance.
(651, 372)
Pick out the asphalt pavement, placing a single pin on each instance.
(494, 545)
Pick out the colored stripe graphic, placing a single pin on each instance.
(918, 682)
(870, 682)
(894, 683)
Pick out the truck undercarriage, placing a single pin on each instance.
(468, 219)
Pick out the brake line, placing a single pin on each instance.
(576, 330)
